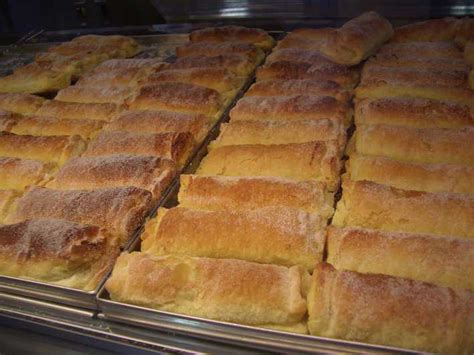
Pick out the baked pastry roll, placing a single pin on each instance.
(417, 145)
(125, 77)
(281, 132)
(223, 289)
(413, 112)
(74, 65)
(174, 146)
(229, 193)
(422, 49)
(443, 29)
(297, 238)
(290, 108)
(412, 176)
(255, 36)
(179, 97)
(7, 198)
(299, 87)
(80, 111)
(443, 260)
(100, 95)
(299, 161)
(56, 149)
(51, 126)
(58, 252)
(285, 70)
(396, 60)
(18, 173)
(120, 210)
(161, 122)
(357, 39)
(152, 64)
(238, 64)
(370, 205)
(216, 49)
(146, 172)
(8, 120)
(298, 55)
(24, 104)
(390, 311)
(127, 46)
(305, 38)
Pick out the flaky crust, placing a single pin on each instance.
(443, 29)
(80, 111)
(422, 49)
(124, 77)
(8, 120)
(239, 64)
(215, 49)
(21, 103)
(305, 38)
(100, 95)
(139, 63)
(407, 60)
(7, 199)
(18, 173)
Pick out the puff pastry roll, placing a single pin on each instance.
(413, 61)
(216, 49)
(299, 87)
(436, 30)
(302, 161)
(298, 55)
(443, 260)
(51, 126)
(290, 108)
(229, 193)
(179, 97)
(174, 146)
(305, 38)
(100, 95)
(80, 111)
(57, 251)
(417, 145)
(239, 64)
(390, 311)
(255, 36)
(7, 198)
(24, 104)
(18, 173)
(285, 70)
(120, 210)
(357, 39)
(280, 132)
(126, 46)
(223, 289)
(422, 49)
(412, 176)
(152, 64)
(126, 77)
(8, 120)
(146, 172)
(413, 112)
(161, 122)
(370, 205)
(73, 65)
(55, 149)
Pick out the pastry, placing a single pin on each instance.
(82, 111)
(100, 95)
(7, 198)
(8, 120)
(18, 173)
(24, 104)
(422, 49)
(238, 64)
(436, 30)
(215, 49)
(464, 31)
(124, 77)
(305, 38)
(135, 63)
(407, 60)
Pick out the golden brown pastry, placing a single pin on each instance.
(223, 289)
(8, 120)
(74, 65)
(161, 122)
(126, 46)
(125, 77)
(312, 57)
(150, 173)
(56, 149)
(24, 104)
(57, 251)
(443, 260)
(436, 30)
(413, 112)
(152, 64)
(370, 205)
(417, 145)
(302, 161)
(357, 39)
(412, 176)
(407, 60)
(255, 36)
(120, 210)
(174, 146)
(101, 95)
(390, 311)
(80, 111)
(229, 193)
(422, 49)
(297, 238)
(215, 49)
(7, 198)
(239, 64)
(18, 173)
(305, 38)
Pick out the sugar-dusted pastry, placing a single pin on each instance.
(298, 55)
(150, 173)
(357, 39)
(215, 49)
(255, 36)
(171, 145)
(370, 205)
(305, 38)
(57, 251)
(229, 193)
(299, 87)
(7, 198)
(239, 64)
(120, 210)
(412, 176)
(413, 112)
(281, 132)
(95, 94)
(407, 60)
(302, 161)
(179, 97)
(435, 30)
(228, 290)
(8, 120)
(124, 77)
(126, 46)
(161, 122)
(440, 260)
(417, 145)
(25, 104)
(422, 49)
(52, 126)
(290, 108)
(390, 311)
(18, 173)
(73, 65)
(55, 149)
(134, 63)
(82, 111)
